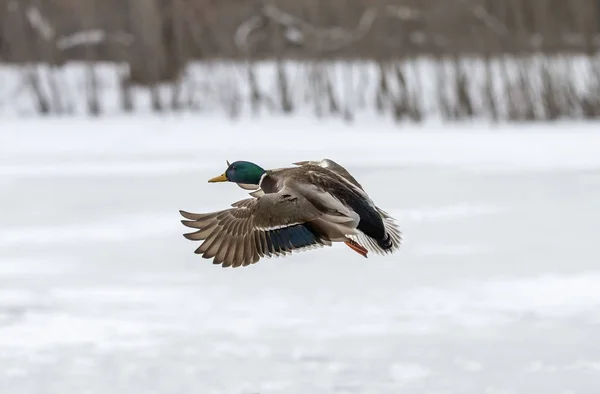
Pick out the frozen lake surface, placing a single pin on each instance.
(495, 291)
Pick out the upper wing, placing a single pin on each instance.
(332, 166)
(271, 225)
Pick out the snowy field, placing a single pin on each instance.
(495, 291)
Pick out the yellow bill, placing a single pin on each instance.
(220, 178)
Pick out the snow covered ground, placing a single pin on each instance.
(496, 290)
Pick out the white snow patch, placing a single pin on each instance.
(433, 249)
(42, 330)
(408, 373)
(23, 266)
(197, 140)
(448, 212)
(119, 229)
(472, 303)
(327, 317)
(469, 365)
(97, 169)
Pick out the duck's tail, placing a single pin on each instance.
(391, 241)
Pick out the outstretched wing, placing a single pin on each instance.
(271, 225)
(332, 166)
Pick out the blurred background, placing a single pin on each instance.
(405, 60)
(472, 122)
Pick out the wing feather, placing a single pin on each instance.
(332, 166)
(270, 225)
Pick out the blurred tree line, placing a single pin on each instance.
(157, 39)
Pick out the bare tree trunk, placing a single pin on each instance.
(20, 39)
(92, 85)
(178, 53)
(148, 60)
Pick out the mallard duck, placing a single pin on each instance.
(298, 208)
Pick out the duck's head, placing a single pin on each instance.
(241, 172)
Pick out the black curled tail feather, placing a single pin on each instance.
(388, 243)
(385, 243)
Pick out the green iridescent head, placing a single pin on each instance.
(243, 172)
